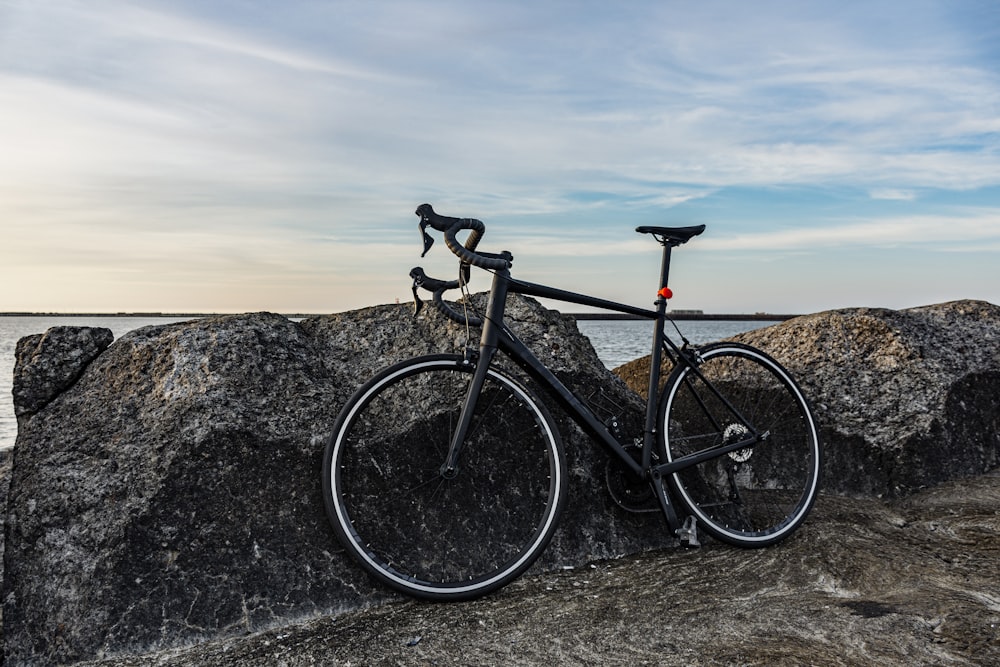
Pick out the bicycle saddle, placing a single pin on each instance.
(672, 235)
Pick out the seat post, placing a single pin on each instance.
(665, 269)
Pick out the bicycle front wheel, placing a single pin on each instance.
(433, 535)
(754, 496)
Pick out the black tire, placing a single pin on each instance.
(403, 521)
(751, 497)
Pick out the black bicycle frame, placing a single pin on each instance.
(497, 336)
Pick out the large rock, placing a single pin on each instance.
(171, 493)
(905, 399)
(49, 363)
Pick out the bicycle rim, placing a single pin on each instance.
(754, 496)
(412, 528)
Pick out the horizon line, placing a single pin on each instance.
(679, 315)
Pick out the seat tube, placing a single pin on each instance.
(487, 348)
(655, 357)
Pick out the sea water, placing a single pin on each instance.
(620, 341)
(615, 341)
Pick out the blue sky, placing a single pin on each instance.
(234, 156)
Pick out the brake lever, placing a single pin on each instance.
(418, 303)
(427, 238)
(421, 279)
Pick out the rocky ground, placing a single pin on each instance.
(908, 582)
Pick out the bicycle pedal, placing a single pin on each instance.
(688, 533)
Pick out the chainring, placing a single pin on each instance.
(629, 492)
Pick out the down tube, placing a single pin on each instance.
(522, 355)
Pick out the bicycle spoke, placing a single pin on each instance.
(440, 536)
(760, 493)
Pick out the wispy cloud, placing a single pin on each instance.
(956, 231)
(893, 194)
(306, 120)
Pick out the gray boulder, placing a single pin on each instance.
(171, 493)
(905, 399)
(49, 363)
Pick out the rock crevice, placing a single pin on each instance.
(48, 364)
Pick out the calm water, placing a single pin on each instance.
(616, 342)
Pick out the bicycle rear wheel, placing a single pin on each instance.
(753, 496)
(417, 531)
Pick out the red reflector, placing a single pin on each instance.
(666, 293)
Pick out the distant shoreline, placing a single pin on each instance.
(148, 315)
(732, 317)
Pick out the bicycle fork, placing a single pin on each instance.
(482, 359)
(449, 469)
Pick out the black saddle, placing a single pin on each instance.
(672, 235)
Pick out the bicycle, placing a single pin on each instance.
(444, 475)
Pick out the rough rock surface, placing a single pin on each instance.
(864, 582)
(49, 363)
(905, 399)
(172, 492)
(5, 463)
(170, 495)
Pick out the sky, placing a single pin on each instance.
(232, 156)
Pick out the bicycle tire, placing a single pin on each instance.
(756, 496)
(404, 522)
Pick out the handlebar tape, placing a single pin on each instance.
(451, 226)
